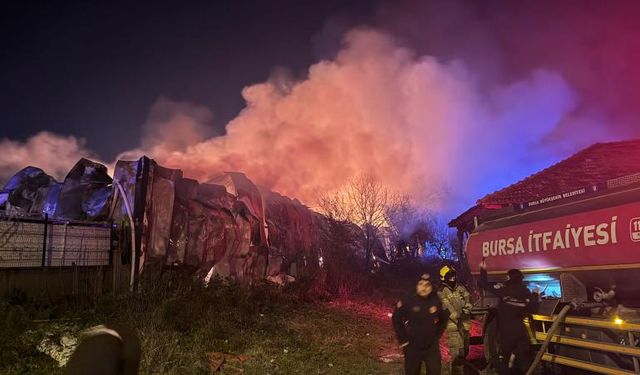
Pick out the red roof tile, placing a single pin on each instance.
(594, 165)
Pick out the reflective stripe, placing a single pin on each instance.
(603, 346)
(100, 330)
(584, 365)
(515, 301)
(592, 322)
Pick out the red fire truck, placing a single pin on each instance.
(574, 230)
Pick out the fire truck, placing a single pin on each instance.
(574, 231)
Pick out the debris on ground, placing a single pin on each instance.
(226, 361)
(392, 358)
(60, 349)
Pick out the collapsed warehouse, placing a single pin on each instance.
(226, 227)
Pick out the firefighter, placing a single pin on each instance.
(515, 302)
(457, 300)
(419, 320)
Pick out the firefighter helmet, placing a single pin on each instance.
(443, 271)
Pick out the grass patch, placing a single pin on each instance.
(179, 322)
(324, 339)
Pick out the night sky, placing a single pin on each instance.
(93, 69)
(442, 98)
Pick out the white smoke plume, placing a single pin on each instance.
(424, 127)
(55, 154)
(421, 126)
(174, 126)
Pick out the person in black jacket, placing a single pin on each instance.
(515, 302)
(418, 321)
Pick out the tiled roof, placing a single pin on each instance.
(594, 165)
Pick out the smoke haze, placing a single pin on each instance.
(444, 100)
(55, 154)
(421, 126)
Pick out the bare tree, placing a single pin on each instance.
(443, 240)
(380, 212)
(401, 216)
(341, 242)
(335, 206)
(365, 202)
(371, 202)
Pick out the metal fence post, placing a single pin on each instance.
(44, 240)
(632, 342)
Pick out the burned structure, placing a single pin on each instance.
(226, 226)
(157, 219)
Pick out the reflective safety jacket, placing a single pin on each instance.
(458, 301)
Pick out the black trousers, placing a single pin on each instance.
(414, 357)
(521, 349)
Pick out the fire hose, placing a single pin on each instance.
(554, 327)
